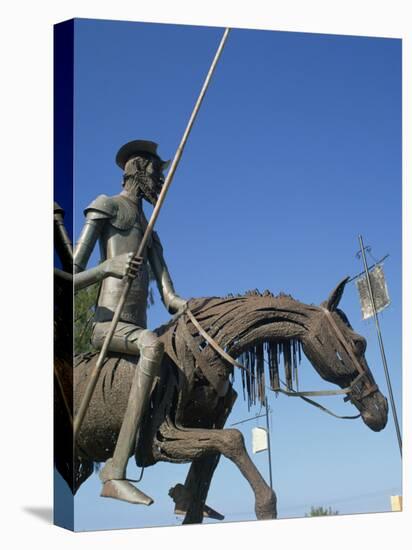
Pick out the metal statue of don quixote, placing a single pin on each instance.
(165, 394)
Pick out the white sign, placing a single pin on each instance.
(259, 440)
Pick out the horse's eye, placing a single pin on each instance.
(360, 345)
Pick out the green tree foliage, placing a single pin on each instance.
(321, 511)
(84, 304)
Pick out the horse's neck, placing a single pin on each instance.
(259, 317)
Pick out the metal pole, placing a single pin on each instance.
(370, 267)
(382, 349)
(247, 420)
(99, 363)
(268, 434)
(269, 448)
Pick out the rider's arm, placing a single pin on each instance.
(119, 267)
(171, 300)
(87, 240)
(88, 277)
(97, 214)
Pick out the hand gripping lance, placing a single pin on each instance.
(139, 252)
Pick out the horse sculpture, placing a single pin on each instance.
(194, 395)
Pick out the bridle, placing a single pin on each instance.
(370, 387)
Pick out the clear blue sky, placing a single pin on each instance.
(296, 151)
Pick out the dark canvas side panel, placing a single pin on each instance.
(63, 284)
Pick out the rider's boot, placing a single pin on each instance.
(113, 474)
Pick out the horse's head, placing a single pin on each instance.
(338, 354)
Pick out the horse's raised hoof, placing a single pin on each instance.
(122, 489)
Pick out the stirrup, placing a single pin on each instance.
(121, 489)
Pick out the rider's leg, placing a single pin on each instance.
(151, 352)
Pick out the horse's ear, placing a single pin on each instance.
(334, 298)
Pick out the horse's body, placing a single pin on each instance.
(194, 395)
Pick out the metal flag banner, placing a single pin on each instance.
(372, 288)
(379, 290)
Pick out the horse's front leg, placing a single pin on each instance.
(181, 445)
(265, 498)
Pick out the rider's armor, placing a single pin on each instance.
(119, 224)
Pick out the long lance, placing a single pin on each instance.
(139, 252)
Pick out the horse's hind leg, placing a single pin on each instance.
(182, 445)
(190, 498)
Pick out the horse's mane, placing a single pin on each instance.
(257, 292)
(226, 319)
(226, 301)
